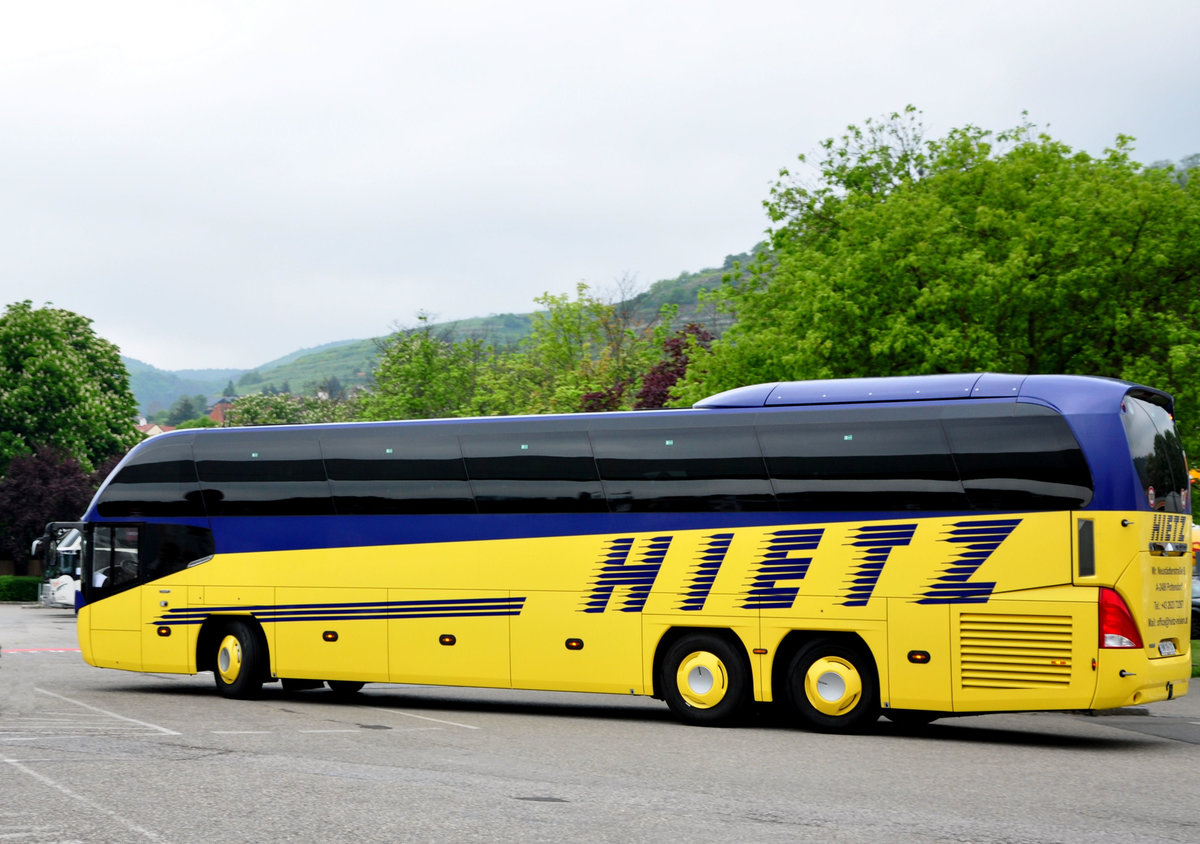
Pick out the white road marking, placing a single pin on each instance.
(329, 731)
(80, 798)
(422, 717)
(110, 714)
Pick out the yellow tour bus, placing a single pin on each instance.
(915, 547)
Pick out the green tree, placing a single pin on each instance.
(61, 387)
(1002, 251)
(198, 422)
(183, 408)
(332, 388)
(283, 409)
(423, 376)
(581, 354)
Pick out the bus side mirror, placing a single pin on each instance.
(36, 550)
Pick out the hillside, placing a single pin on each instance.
(351, 362)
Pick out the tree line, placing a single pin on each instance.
(888, 253)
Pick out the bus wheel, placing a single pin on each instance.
(704, 680)
(238, 668)
(832, 686)
(344, 688)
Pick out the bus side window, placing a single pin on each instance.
(533, 471)
(167, 548)
(840, 461)
(682, 468)
(158, 480)
(396, 470)
(254, 472)
(1027, 459)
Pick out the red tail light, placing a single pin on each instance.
(1117, 627)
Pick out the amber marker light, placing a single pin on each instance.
(574, 644)
(330, 636)
(918, 657)
(164, 631)
(446, 639)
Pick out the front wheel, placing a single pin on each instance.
(832, 687)
(240, 661)
(704, 680)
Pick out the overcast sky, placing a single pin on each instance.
(217, 184)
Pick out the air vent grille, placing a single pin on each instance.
(1014, 651)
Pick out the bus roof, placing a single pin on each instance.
(1066, 392)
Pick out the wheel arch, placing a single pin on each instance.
(674, 634)
(210, 636)
(794, 641)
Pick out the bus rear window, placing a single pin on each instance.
(1157, 455)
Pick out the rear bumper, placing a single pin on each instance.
(1129, 678)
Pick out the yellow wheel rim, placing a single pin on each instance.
(229, 659)
(702, 680)
(832, 685)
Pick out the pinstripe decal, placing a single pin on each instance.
(448, 608)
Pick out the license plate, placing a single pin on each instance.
(1166, 648)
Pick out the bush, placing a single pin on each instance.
(19, 587)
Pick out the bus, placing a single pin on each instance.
(916, 547)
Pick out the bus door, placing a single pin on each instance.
(110, 624)
(165, 647)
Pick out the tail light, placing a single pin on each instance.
(1117, 627)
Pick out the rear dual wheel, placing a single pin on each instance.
(831, 685)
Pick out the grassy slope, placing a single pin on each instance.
(351, 361)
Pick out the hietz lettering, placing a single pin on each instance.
(631, 566)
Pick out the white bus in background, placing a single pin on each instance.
(61, 583)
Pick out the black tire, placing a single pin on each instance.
(705, 680)
(239, 664)
(344, 688)
(832, 686)
(1195, 623)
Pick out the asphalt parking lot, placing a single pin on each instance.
(96, 755)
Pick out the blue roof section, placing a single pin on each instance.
(1067, 393)
(861, 390)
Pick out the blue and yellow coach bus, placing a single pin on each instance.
(916, 547)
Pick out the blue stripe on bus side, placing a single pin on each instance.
(462, 608)
(234, 535)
